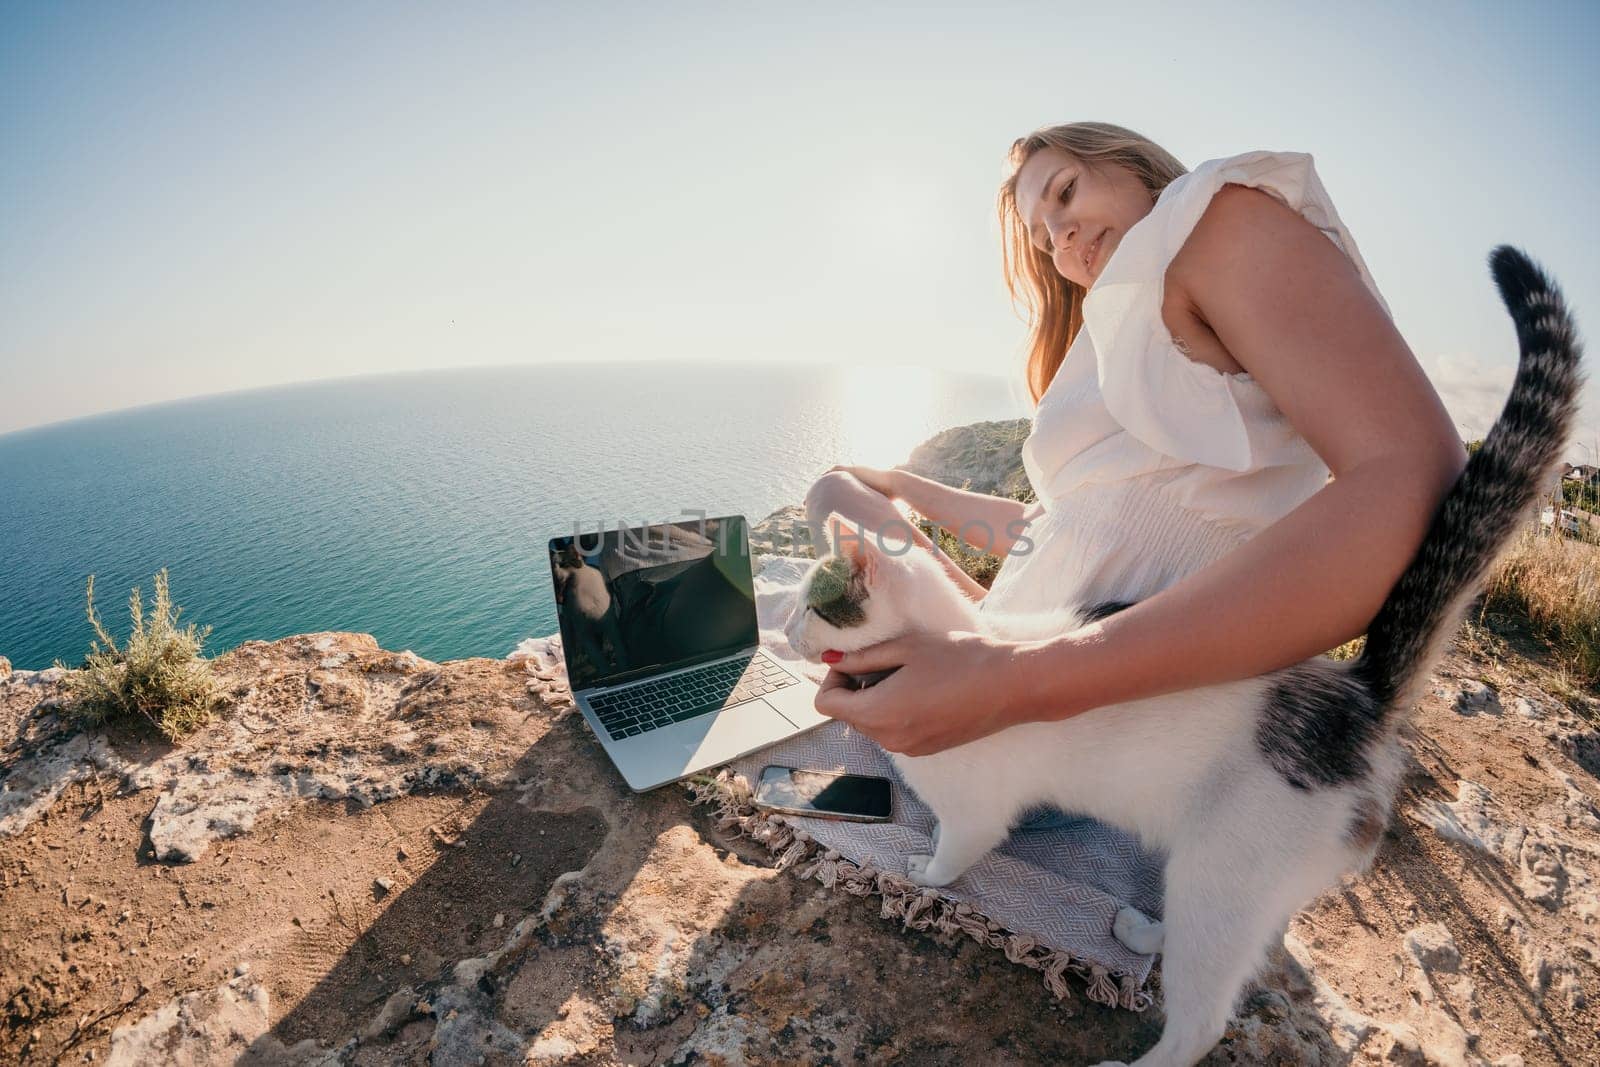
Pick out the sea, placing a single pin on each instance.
(416, 507)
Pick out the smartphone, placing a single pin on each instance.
(824, 795)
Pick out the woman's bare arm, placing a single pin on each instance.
(866, 495)
(987, 523)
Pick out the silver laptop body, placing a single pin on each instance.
(658, 627)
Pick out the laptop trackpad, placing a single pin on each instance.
(718, 738)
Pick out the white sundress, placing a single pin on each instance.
(1147, 464)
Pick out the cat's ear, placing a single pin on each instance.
(849, 541)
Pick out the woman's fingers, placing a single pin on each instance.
(836, 680)
(838, 698)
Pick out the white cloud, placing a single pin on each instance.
(1474, 390)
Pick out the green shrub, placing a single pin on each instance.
(980, 566)
(158, 673)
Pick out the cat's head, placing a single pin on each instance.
(865, 590)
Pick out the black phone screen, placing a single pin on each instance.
(851, 796)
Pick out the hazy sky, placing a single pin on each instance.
(204, 197)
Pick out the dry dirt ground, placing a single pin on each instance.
(376, 859)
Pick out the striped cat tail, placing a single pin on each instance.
(1492, 497)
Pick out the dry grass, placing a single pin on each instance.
(1350, 649)
(1554, 583)
(158, 673)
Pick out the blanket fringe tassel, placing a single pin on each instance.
(916, 907)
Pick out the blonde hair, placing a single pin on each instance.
(1053, 305)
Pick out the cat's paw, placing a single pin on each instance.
(917, 870)
(1137, 932)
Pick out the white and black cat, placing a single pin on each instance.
(1261, 792)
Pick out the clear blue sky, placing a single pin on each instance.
(204, 197)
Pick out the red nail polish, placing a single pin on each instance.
(831, 656)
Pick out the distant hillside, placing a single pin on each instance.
(985, 457)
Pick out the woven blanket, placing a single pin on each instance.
(1046, 898)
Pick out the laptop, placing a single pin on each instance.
(664, 658)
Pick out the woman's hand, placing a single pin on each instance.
(950, 688)
(841, 491)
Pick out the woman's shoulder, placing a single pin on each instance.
(1257, 189)
(1252, 201)
(1182, 406)
(1236, 211)
(1244, 184)
(1225, 207)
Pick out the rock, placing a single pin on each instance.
(382, 886)
(785, 533)
(1538, 854)
(552, 1050)
(1578, 811)
(1434, 949)
(407, 662)
(1541, 868)
(337, 690)
(1404, 1048)
(1545, 967)
(1471, 820)
(33, 783)
(203, 1027)
(400, 1006)
(200, 809)
(48, 676)
(277, 749)
(1475, 698)
(985, 457)
(1528, 709)
(1464, 992)
(5, 667)
(1579, 743)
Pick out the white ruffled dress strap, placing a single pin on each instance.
(1178, 406)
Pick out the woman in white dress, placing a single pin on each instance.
(1205, 349)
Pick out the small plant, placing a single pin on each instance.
(158, 673)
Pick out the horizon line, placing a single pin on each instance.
(338, 378)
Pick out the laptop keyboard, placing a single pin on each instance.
(651, 705)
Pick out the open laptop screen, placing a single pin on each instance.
(635, 601)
